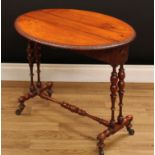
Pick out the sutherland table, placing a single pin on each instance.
(96, 35)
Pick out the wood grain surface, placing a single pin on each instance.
(74, 29)
(46, 129)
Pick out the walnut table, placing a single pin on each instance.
(96, 35)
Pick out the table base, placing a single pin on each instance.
(45, 92)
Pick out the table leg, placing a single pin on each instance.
(37, 60)
(30, 58)
(121, 85)
(113, 88)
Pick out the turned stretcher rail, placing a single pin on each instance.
(75, 109)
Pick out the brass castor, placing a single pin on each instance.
(131, 131)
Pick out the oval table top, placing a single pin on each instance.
(74, 29)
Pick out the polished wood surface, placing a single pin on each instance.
(46, 129)
(74, 29)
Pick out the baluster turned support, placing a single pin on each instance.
(75, 109)
(30, 58)
(121, 85)
(106, 133)
(113, 88)
(37, 59)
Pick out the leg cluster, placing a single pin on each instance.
(117, 85)
(33, 56)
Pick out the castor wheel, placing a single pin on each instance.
(49, 92)
(20, 108)
(131, 131)
(18, 112)
(101, 152)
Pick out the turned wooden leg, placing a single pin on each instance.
(30, 57)
(113, 88)
(121, 85)
(37, 59)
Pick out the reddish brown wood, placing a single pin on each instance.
(45, 87)
(113, 88)
(37, 59)
(74, 29)
(30, 95)
(33, 55)
(113, 56)
(21, 101)
(121, 85)
(75, 109)
(110, 131)
(30, 57)
(37, 49)
(48, 89)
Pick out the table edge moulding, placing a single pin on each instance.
(95, 35)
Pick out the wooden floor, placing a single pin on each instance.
(46, 129)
